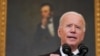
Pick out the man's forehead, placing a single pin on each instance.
(45, 8)
(73, 19)
(73, 22)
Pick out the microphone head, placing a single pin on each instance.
(66, 49)
(83, 49)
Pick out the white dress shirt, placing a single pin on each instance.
(74, 52)
(51, 27)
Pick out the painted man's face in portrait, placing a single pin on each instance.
(45, 11)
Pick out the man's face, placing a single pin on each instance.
(45, 11)
(71, 30)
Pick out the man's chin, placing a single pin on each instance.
(72, 44)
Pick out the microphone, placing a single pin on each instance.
(83, 50)
(67, 50)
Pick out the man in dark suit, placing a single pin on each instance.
(46, 32)
(71, 31)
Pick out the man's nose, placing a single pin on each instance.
(73, 29)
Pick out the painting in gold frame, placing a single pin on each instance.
(3, 23)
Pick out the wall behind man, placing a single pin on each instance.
(23, 17)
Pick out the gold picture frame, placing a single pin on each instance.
(3, 18)
(3, 15)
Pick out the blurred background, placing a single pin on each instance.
(23, 16)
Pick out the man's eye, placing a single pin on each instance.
(68, 25)
(78, 27)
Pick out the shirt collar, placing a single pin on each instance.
(74, 52)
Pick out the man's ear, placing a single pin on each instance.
(59, 32)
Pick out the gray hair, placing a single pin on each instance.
(75, 13)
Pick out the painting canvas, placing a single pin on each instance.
(23, 38)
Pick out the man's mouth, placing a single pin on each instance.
(72, 37)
